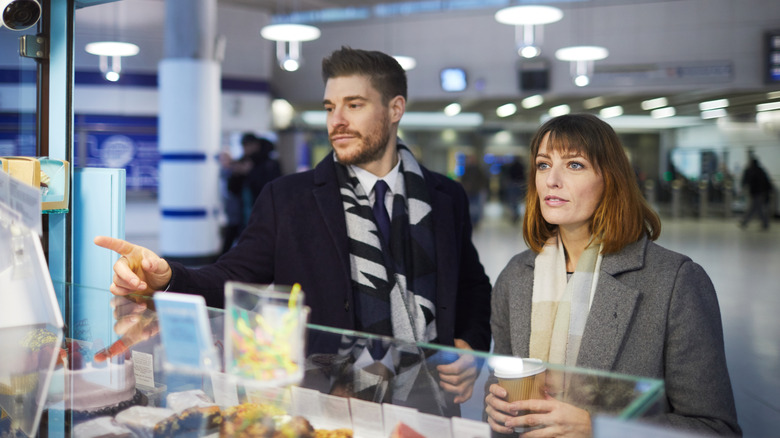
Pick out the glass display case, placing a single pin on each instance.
(113, 378)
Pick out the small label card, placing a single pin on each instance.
(395, 415)
(185, 331)
(225, 390)
(366, 418)
(465, 428)
(335, 412)
(305, 402)
(434, 425)
(143, 368)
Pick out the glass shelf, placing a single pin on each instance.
(342, 387)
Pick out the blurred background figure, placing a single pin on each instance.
(757, 183)
(246, 178)
(476, 184)
(513, 181)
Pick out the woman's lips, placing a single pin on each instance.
(554, 200)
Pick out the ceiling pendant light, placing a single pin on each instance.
(527, 21)
(115, 51)
(288, 39)
(581, 59)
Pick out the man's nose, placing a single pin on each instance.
(336, 118)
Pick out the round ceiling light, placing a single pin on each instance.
(290, 32)
(522, 15)
(581, 53)
(111, 48)
(406, 62)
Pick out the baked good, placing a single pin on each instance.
(195, 421)
(262, 421)
(146, 421)
(334, 433)
(27, 360)
(101, 427)
(402, 430)
(90, 390)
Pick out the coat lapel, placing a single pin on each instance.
(328, 198)
(445, 235)
(613, 309)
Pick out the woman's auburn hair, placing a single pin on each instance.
(623, 215)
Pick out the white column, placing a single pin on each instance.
(189, 133)
(189, 138)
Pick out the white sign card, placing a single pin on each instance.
(143, 368)
(305, 402)
(465, 428)
(394, 415)
(225, 390)
(366, 418)
(434, 425)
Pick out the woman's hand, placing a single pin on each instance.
(542, 418)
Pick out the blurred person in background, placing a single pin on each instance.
(759, 188)
(476, 184)
(595, 291)
(246, 178)
(513, 180)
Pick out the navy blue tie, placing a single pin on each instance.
(380, 211)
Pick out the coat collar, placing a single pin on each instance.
(613, 307)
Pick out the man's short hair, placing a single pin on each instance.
(249, 137)
(385, 73)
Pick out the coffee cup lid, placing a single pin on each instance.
(515, 367)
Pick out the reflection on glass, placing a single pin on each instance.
(18, 101)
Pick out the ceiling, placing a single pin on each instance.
(742, 102)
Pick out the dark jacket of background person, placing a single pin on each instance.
(298, 234)
(756, 180)
(264, 169)
(654, 314)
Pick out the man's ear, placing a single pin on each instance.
(397, 107)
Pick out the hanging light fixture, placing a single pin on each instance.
(527, 20)
(406, 62)
(114, 51)
(288, 39)
(581, 58)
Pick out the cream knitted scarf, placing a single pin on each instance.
(559, 308)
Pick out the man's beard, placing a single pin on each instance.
(372, 145)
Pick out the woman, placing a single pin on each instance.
(594, 291)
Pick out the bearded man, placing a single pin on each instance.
(399, 264)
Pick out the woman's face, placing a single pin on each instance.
(569, 188)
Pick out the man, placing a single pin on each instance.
(759, 188)
(419, 280)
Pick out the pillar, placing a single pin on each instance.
(189, 133)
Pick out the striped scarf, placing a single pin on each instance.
(559, 308)
(395, 288)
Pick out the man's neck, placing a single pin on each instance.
(386, 163)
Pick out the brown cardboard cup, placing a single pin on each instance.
(523, 379)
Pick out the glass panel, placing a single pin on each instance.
(18, 97)
(116, 367)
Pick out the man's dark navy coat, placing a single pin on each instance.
(297, 234)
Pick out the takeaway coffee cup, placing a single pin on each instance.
(523, 379)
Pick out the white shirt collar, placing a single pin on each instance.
(368, 179)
